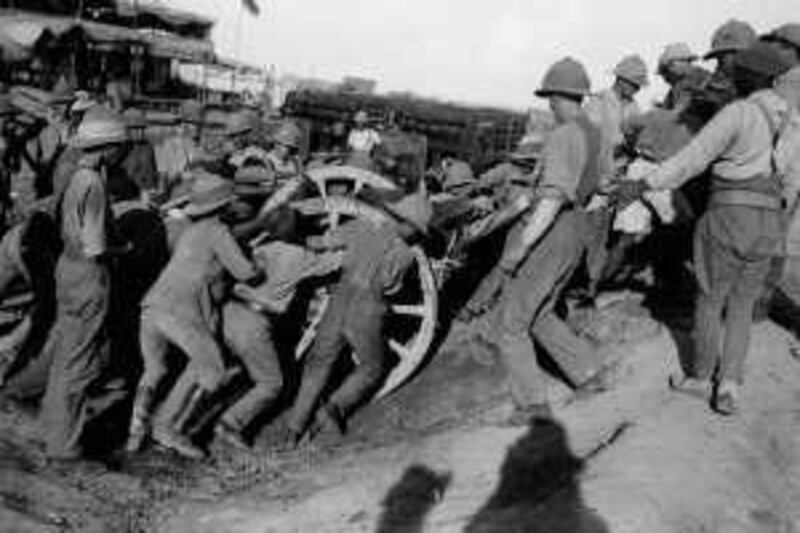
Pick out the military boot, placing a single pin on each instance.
(172, 434)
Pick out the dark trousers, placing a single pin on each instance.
(354, 318)
(248, 335)
(731, 272)
(527, 313)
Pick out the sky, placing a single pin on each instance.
(472, 51)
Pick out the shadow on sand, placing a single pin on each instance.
(539, 489)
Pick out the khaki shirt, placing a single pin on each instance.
(737, 142)
(564, 157)
(286, 266)
(611, 115)
(85, 214)
(193, 284)
(375, 257)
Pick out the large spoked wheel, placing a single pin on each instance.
(413, 314)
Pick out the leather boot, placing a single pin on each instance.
(140, 419)
(173, 435)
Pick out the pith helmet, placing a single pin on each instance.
(788, 33)
(633, 69)
(732, 36)
(675, 52)
(762, 58)
(99, 127)
(565, 77)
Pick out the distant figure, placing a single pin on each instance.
(362, 141)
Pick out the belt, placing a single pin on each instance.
(746, 198)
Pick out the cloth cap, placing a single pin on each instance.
(788, 33)
(415, 209)
(209, 193)
(762, 58)
(566, 77)
(732, 36)
(99, 127)
(633, 69)
(675, 52)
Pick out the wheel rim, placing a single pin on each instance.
(413, 312)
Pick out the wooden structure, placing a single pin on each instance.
(478, 135)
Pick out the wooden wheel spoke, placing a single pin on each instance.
(410, 310)
(402, 351)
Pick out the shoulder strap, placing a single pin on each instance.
(776, 130)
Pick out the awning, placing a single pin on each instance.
(19, 33)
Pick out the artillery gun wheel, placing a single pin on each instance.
(414, 310)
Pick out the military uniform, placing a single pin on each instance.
(79, 338)
(248, 324)
(742, 230)
(374, 264)
(569, 171)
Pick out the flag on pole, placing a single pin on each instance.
(251, 6)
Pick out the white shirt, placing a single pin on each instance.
(363, 140)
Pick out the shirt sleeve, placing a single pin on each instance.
(92, 214)
(563, 160)
(230, 255)
(396, 263)
(705, 148)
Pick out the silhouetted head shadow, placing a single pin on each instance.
(539, 488)
(410, 500)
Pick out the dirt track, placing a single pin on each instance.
(432, 452)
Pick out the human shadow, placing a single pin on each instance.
(539, 488)
(408, 502)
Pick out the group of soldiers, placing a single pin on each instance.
(135, 251)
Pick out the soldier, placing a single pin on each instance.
(676, 66)
(540, 258)
(376, 258)
(251, 319)
(176, 153)
(742, 230)
(728, 39)
(139, 165)
(361, 141)
(79, 338)
(183, 309)
(612, 109)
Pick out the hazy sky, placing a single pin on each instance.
(489, 52)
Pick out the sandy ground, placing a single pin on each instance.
(433, 457)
